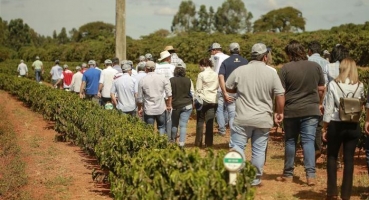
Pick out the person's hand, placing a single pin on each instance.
(321, 108)
(99, 94)
(228, 98)
(81, 95)
(278, 118)
(366, 127)
(169, 108)
(140, 112)
(324, 134)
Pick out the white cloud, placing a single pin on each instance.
(166, 11)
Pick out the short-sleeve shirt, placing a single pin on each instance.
(56, 72)
(230, 64)
(165, 69)
(301, 80)
(37, 64)
(124, 86)
(256, 87)
(106, 78)
(92, 77)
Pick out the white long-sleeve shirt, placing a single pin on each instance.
(333, 95)
(76, 82)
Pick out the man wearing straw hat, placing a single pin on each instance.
(174, 59)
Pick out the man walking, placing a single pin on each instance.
(124, 86)
(256, 86)
(304, 84)
(56, 73)
(151, 104)
(226, 99)
(39, 69)
(314, 50)
(90, 83)
(106, 82)
(75, 86)
(22, 69)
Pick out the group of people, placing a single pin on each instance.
(248, 95)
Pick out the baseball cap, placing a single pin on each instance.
(65, 66)
(234, 46)
(126, 67)
(148, 56)
(141, 58)
(141, 66)
(57, 61)
(84, 65)
(108, 61)
(37, 57)
(78, 68)
(259, 48)
(91, 62)
(129, 62)
(150, 65)
(214, 46)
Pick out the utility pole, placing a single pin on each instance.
(120, 29)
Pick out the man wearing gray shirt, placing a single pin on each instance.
(124, 87)
(56, 74)
(150, 94)
(256, 85)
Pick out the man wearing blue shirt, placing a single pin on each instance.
(226, 100)
(90, 83)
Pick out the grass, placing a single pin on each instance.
(12, 169)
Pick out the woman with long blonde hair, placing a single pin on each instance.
(336, 132)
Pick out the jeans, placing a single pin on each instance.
(38, 75)
(318, 135)
(226, 113)
(180, 117)
(367, 152)
(160, 121)
(259, 141)
(168, 123)
(347, 134)
(306, 127)
(205, 115)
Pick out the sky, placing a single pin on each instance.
(147, 16)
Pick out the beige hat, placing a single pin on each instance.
(150, 65)
(163, 55)
(168, 48)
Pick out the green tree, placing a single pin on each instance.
(63, 37)
(286, 19)
(19, 34)
(203, 23)
(232, 17)
(185, 18)
(211, 19)
(3, 31)
(55, 35)
(96, 30)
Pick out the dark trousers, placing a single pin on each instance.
(205, 115)
(318, 135)
(347, 134)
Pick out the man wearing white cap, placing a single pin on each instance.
(75, 86)
(124, 86)
(166, 69)
(67, 78)
(256, 86)
(141, 60)
(226, 100)
(217, 56)
(22, 69)
(39, 69)
(106, 81)
(150, 101)
(90, 83)
(174, 59)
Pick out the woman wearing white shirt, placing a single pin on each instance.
(335, 132)
(207, 85)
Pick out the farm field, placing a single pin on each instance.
(63, 171)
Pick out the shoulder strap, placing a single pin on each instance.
(340, 88)
(358, 84)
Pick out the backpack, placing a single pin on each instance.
(350, 107)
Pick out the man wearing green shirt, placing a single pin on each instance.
(38, 67)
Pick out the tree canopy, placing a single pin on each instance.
(286, 19)
(185, 19)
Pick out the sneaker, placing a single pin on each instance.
(310, 181)
(286, 179)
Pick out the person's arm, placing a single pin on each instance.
(139, 98)
(329, 106)
(279, 103)
(168, 92)
(26, 70)
(231, 84)
(199, 84)
(168, 103)
(113, 90)
(226, 97)
(82, 90)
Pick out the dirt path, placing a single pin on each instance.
(55, 170)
